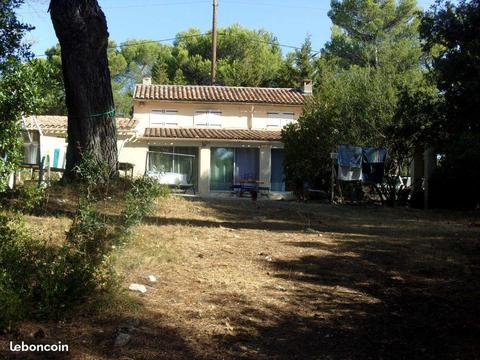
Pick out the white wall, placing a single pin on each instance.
(234, 116)
(48, 145)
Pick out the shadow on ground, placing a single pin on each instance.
(409, 290)
(151, 338)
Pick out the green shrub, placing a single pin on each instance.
(91, 175)
(11, 309)
(139, 202)
(30, 199)
(43, 281)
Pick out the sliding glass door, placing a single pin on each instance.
(174, 165)
(230, 166)
(246, 164)
(221, 169)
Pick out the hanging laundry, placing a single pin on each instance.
(349, 163)
(374, 155)
(346, 173)
(373, 165)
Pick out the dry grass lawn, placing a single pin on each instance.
(274, 280)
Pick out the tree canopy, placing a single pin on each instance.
(245, 58)
(12, 32)
(19, 93)
(452, 31)
(374, 56)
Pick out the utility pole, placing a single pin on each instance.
(214, 42)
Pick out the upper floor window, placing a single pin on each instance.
(207, 118)
(279, 119)
(163, 117)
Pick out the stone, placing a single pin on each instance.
(122, 339)
(138, 288)
(152, 278)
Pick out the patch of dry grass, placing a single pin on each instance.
(276, 280)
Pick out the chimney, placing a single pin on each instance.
(307, 87)
(147, 81)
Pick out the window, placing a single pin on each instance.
(279, 119)
(277, 179)
(163, 117)
(207, 118)
(173, 165)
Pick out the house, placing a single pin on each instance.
(209, 138)
(44, 138)
(212, 137)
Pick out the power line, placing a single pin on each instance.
(130, 44)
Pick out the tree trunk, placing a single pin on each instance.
(81, 28)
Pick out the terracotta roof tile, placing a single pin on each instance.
(225, 94)
(59, 123)
(214, 134)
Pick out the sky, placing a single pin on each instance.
(289, 20)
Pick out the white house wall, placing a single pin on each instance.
(234, 116)
(48, 145)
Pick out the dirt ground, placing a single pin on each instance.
(277, 280)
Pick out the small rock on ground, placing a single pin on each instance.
(122, 340)
(152, 278)
(138, 288)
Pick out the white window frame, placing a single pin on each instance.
(165, 119)
(207, 118)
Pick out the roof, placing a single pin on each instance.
(213, 134)
(223, 94)
(59, 123)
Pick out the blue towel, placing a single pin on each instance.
(374, 155)
(350, 156)
(373, 168)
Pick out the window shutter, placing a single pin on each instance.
(208, 118)
(274, 119)
(200, 118)
(215, 119)
(156, 117)
(287, 118)
(163, 117)
(171, 118)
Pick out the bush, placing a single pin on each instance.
(42, 281)
(10, 304)
(139, 202)
(30, 199)
(38, 279)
